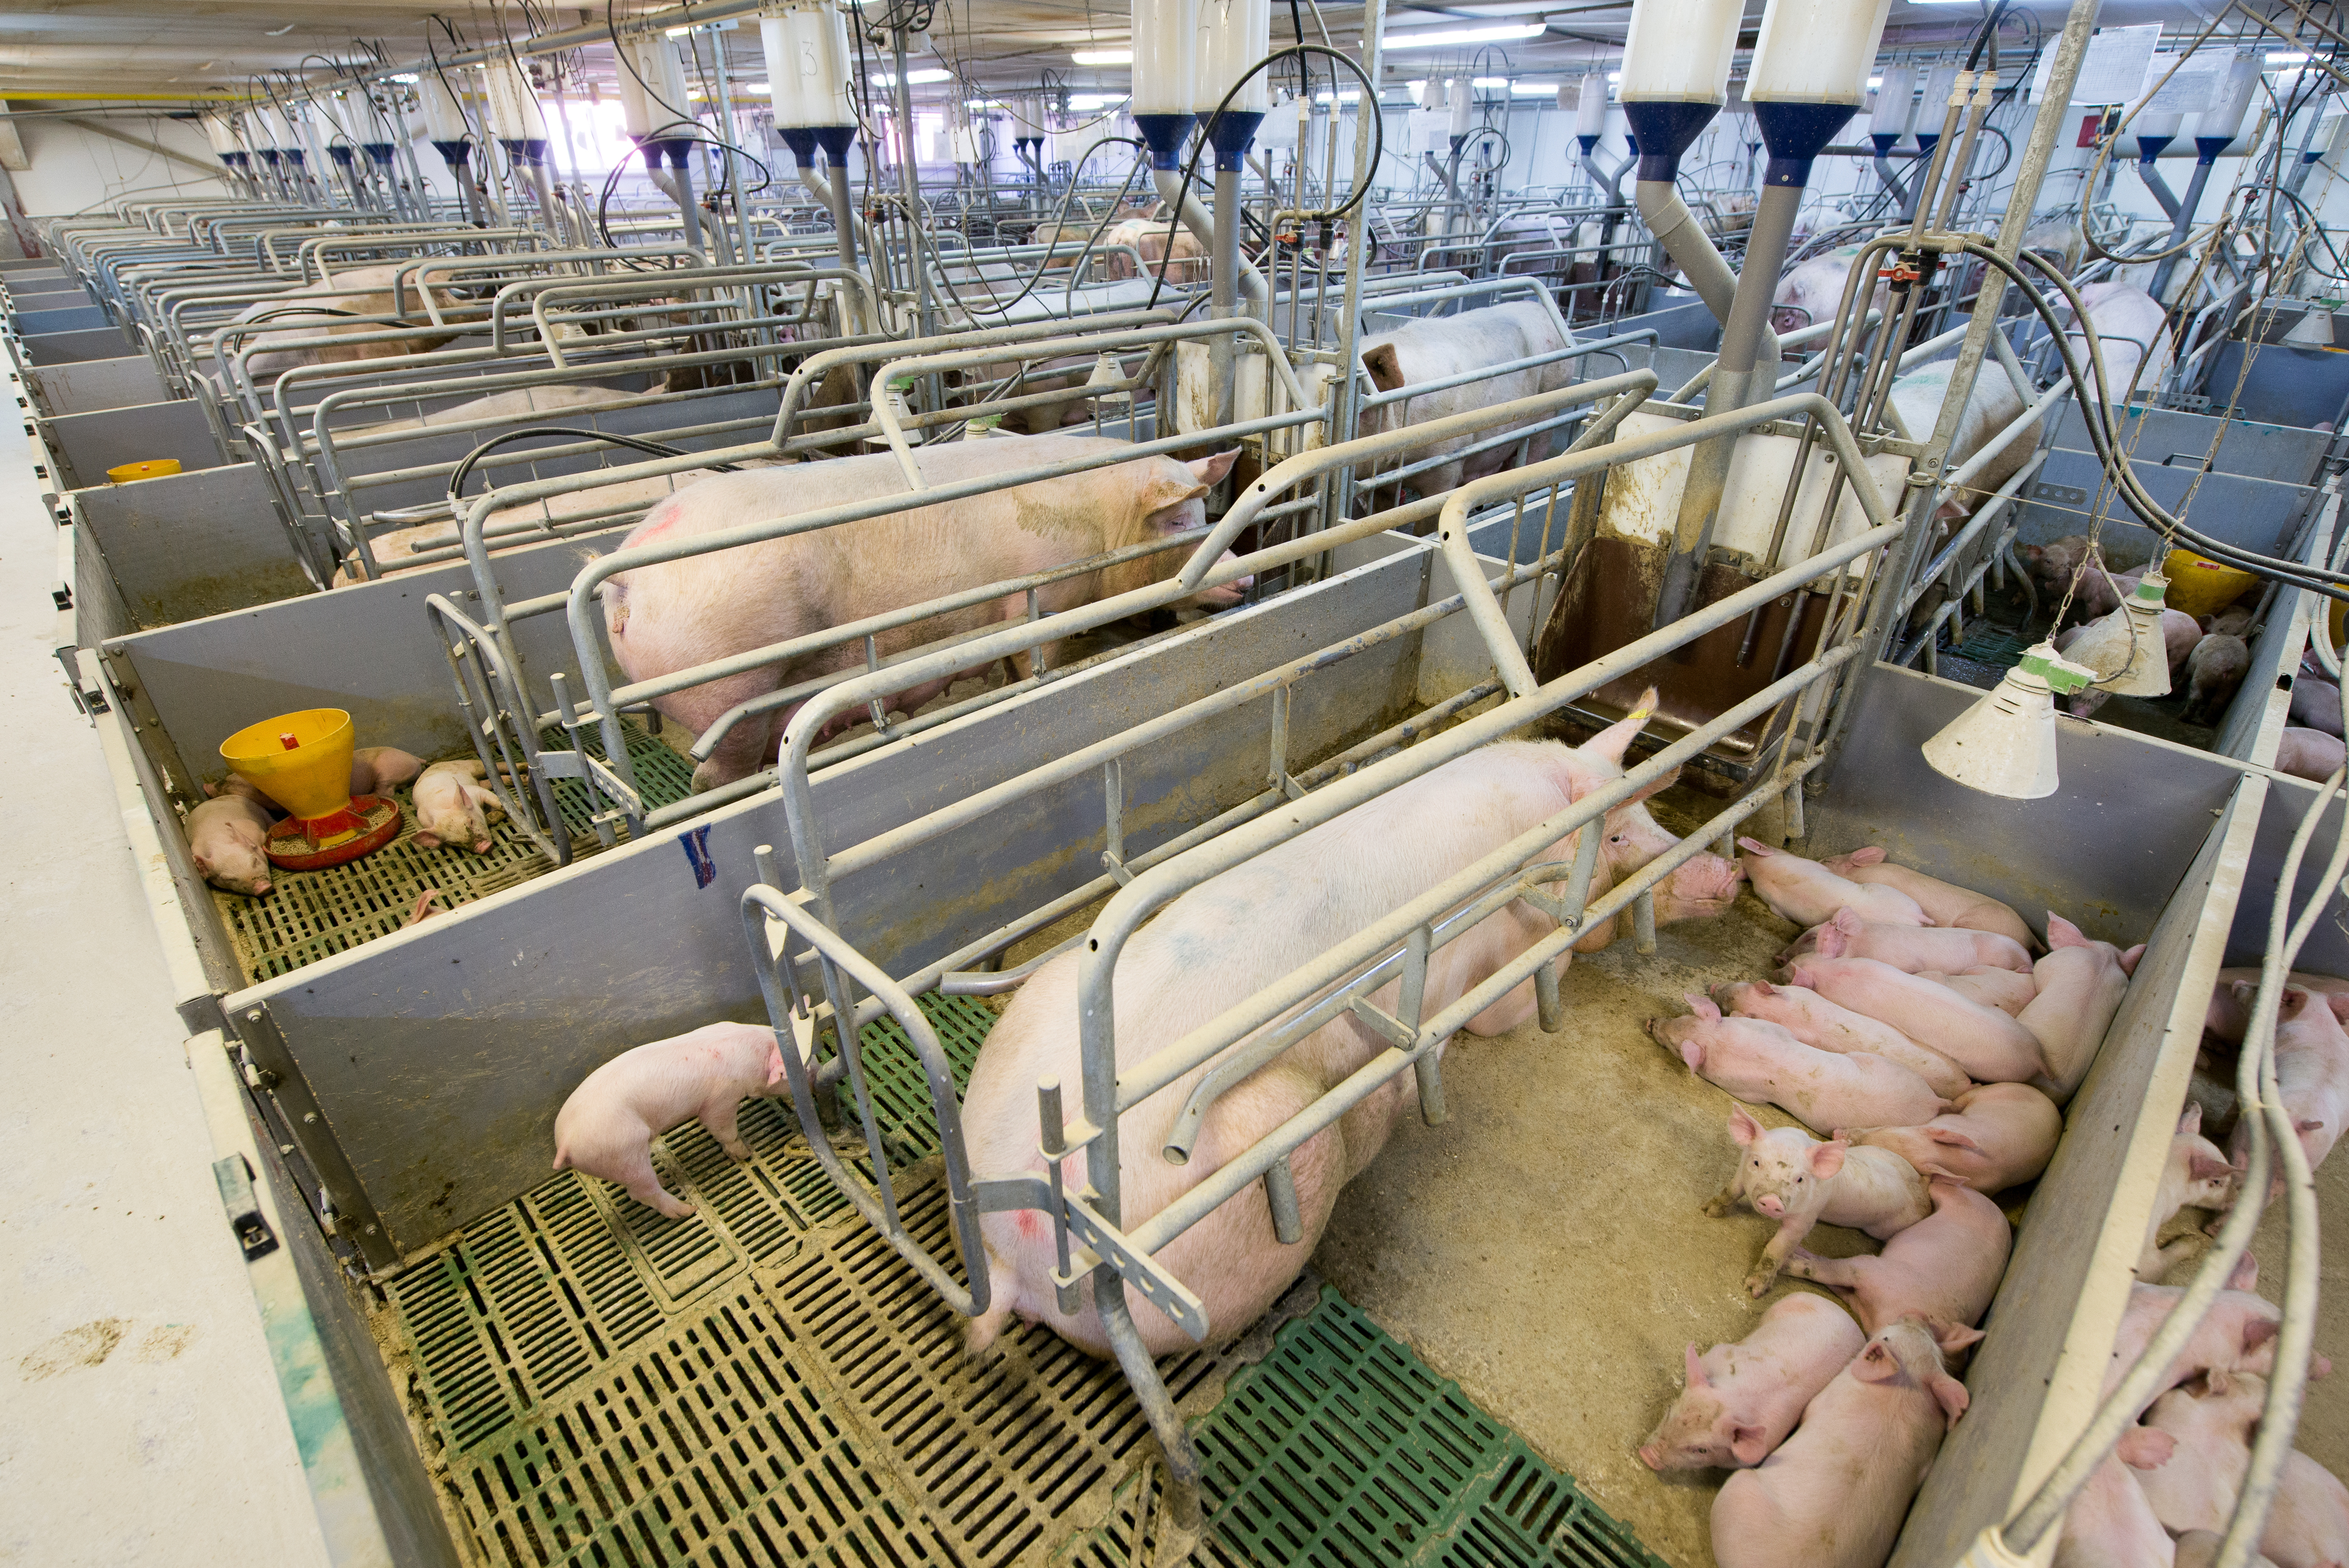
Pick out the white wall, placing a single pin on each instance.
(72, 169)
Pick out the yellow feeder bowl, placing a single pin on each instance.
(151, 469)
(303, 762)
(2201, 586)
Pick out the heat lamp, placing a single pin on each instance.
(2006, 744)
(2126, 648)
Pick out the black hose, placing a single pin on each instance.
(654, 449)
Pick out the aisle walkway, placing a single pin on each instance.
(139, 1420)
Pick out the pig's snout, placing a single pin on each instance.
(1225, 597)
(1771, 1204)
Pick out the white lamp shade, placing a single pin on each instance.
(1680, 50)
(1816, 51)
(1233, 35)
(2126, 648)
(1590, 107)
(1895, 102)
(513, 111)
(443, 121)
(1166, 56)
(2004, 745)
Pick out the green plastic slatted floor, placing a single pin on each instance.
(769, 1382)
(310, 915)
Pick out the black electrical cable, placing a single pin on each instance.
(654, 448)
(1045, 261)
(2095, 411)
(1369, 104)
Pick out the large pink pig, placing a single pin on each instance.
(2081, 982)
(1947, 1265)
(1989, 1045)
(1835, 1494)
(1997, 1135)
(1784, 1175)
(675, 613)
(2311, 1066)
(1739, 1402)
(1944, 904)
(1763, 1062)
(1819, 1023)
(1915, 948)
(1437, 348)
(1248, 927)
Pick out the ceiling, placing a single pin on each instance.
(170, 49)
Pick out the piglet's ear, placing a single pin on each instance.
(774, 1065)
(425, 840)
(1764, 988)
(1826, 1158)
(2338, 1001)
(2146, 1447)
(1951, 1395)
(1692, 1367)
(2191, 1122)
(1847, 920)
(1701, 1006)
(2129, 959)
(1867, 855)
(1876, 1363)
(1755, 846)
(1742, 1127)
(2061, 932)
(2204, 1166)
(1749, 1445)
(2246, 1275)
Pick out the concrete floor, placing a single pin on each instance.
(142, 1422)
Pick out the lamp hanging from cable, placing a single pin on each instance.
(2126, 649)
(2006, 744)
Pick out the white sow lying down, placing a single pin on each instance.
(1247, 928)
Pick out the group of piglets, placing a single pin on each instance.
(1910, 1027)
(2312, 747)
(2207, 658)
(228, 832)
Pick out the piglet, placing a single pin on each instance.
(1820, 1024)
(2213, 672)
(2316, 704)
(1947, 1265)
(2311, 1067)
(1835, 1494)
(376, 768)
(2234, 621)
(244, 790)
(2109, 1523)
(2199, 1548)
(2237, 1335)
(2230, 1013)
(2180, 633)
(2196, 1175)
(1989, 1045)
(2308, 1523)
(1944, 904)
(2001, 989)
(1739, 1402)
(2081, 982)
(1996, 1135)
(2212, 1426)
(1758, 1062)
(454, 807)
(1807, 893)
(1953, 949)
(2309, 754)
(226, 835)
(1785, 1176)
(606, 1126)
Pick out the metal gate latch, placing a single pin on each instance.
(244, 1217)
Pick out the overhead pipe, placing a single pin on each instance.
(1809, 74)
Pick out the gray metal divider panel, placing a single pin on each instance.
(90, 444)
(26, 303)
(2049, 1337)
(2253, 727)
(371, 649)
(67, 347)
(91, 383)
(2168, 437)
(74, 318)
(2327, 949)
(2256, 514)
(2105, 850)
(190, 545)
(439, 1056)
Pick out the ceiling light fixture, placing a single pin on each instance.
(912, 78)
(1450, 38)
(1104, 56)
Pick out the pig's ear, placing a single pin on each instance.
(1211, 471)
(1826, 1158)
(1749, 1445)
(2256, 1331)
(1876, 1363)
(427, 841)
(2061, 932)
(1763, 987)
(1951, 1395)
(1847, 920)
(2203, 1167)
(1701, 1006)
(1953, 1138)
(1866, 855)
(2338, 1001)
(2191, 1122)
(1693, 1054)
(2129, 959)
(203, 865)
(1952, 1338)
(1613, 741)
(774, 1065)
(1693, 1368)
(1742, 1127)
(2145, 1448)
(1755, 846)
(1385, 368)
(2246, 1275)
(2294, 999)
